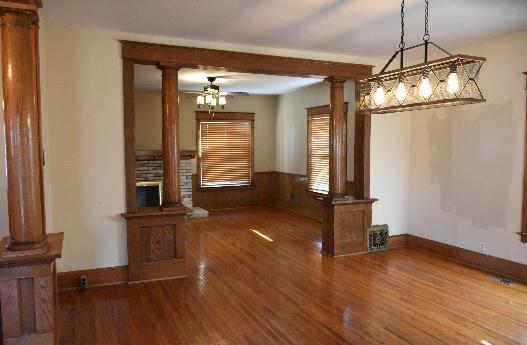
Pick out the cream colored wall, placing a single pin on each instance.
(466, 162)
(291, 126)
(148, 123)
(83, 138)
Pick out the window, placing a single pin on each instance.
(225, 149)
(318, 149)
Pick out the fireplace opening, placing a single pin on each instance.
(148, 194)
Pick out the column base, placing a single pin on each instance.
(28, 292)
(344, 225)
(156, 245)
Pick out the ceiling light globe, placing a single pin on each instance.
(222, 100)
(378, 98)
(400, 92)
(200, 100)
(452, 83)
(425, 89)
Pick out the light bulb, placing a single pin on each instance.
(200, 100)
(452, 83)
(425, 89)
(379, 95)
(400, 93)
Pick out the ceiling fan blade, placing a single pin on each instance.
(238, 93)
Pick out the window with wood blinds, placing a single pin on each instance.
(225, 149)
(318, 149)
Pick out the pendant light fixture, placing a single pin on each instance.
(452, 80)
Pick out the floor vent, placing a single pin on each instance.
(501, 280)
(377, 238)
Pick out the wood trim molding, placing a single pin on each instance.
(491, 264)
(96, 277)
(189, 57)
(523, 231)
(224, 115)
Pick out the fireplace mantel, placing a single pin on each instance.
(183, 154)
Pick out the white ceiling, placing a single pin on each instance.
(355, 27)
(149, 77)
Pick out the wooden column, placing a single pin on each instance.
(337, 146)
(22, 128)
(346, 218)
(170, 137)
(27, 256)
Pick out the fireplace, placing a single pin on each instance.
(149, 194)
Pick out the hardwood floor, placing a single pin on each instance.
(244, 289)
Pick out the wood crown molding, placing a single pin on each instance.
(190, 57)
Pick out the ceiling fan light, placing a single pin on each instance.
(208, 99)
(200, 100)
(213, 101)
(222, 101)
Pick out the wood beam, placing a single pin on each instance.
(150, 53)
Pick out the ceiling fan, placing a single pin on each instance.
(211, 97)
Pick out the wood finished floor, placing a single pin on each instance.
(244, 289)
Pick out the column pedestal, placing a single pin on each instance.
(28, 292)
(345, 224)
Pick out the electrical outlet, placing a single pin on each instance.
(483, 247)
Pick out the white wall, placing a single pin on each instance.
(291, 126)
(466, 162)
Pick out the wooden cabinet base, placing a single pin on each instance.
(156, 245)
(28, 293)
(344, 226)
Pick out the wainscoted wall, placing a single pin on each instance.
(264, 192)
(271, 188)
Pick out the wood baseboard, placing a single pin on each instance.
(96, 277)
(398, 241)
(501, 267)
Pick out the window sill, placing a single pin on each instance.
(225, 188)
(316, 194)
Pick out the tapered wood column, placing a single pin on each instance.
(27, 256)
(22, 128)
(337, 135)
(171, 187)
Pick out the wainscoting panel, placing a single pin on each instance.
(264, 192)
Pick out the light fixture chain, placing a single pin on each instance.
(426, 36)
(402, 44)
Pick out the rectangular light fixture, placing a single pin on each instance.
(450, 81)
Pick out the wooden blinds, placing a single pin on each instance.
(225, 152)
(318, 152)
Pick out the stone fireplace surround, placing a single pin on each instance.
(149, 168)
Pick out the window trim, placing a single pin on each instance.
(223, 116)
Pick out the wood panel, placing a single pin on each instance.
(96, 277)
(243, 289)
(156, 245)
(293, 193)
(129, 135)
(345, 225)
(492, 264)
(263, 192)
(189, 57)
